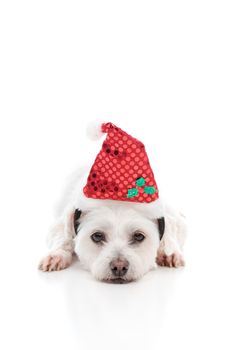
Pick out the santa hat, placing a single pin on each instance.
(121, 170)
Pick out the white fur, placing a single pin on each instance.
(118, 220)
(94, 131)
(118, 224)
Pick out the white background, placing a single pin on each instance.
(161, 70)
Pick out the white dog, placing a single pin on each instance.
(118, 241)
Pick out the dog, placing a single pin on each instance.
(118, 241)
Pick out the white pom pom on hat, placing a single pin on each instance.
(94, 130)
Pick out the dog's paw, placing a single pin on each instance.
(55, 262)
(173, 260)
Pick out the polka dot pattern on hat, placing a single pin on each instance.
(121, 170)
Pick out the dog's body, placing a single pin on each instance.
(117, 241)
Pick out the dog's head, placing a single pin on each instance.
(117, 244)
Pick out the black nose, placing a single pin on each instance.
(119, 267)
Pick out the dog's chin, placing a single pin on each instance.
(117, 280)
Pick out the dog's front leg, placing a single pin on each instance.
(170, 250)
(61, 244)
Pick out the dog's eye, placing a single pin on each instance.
(98, 237)
(138, 237)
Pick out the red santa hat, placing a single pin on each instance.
(121, 170)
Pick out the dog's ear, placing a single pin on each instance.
(77, 215)
(161, 226)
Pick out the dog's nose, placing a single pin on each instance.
(119, 267)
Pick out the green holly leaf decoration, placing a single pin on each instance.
(149, 190)
(132, 193)
(140, 182)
